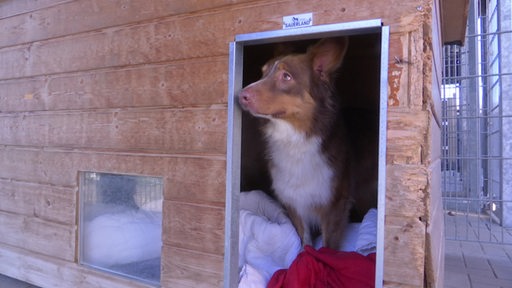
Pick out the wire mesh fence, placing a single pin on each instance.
(477, 127)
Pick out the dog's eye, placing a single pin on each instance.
(286, 76)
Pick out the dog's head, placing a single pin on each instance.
(293, 87)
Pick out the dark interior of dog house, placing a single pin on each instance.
(357, 86)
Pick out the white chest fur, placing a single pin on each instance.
(302, 178)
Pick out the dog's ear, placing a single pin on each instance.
(281, 49)
(327, 56)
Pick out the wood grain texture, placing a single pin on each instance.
(404, 251)
(45, 202)
(22, 95)
(84, 15)
(434, 218)
(194, 227)
(406, 136)
(39, 236)
(398, 70)
(435, 248)
(175, 85)
(150, 42)
(199, 181)
(406, 191)
(140, 87)
(178, 131)
(185, 177)
(187, 268)
(13, 8)
(133, 45)
(52, 272)
(435, 228)
(420, 65)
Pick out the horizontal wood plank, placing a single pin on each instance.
(23, 95)
(171, 38)
(50, 203)
(47, 271)
(82, 16)
(85, 15)
(182, 84)
(197, 181)
(133, 45)
(13, 8)
(38, 236)
(186, 268)
(186, 178)
(194, 227)
(189, 131)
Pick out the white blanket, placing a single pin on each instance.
(268, 241)
(121, 237)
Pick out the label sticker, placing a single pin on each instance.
(297, 21)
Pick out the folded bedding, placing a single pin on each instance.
(268, 242)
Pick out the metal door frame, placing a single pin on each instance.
(231, 273)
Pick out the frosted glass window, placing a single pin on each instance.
(121, 224)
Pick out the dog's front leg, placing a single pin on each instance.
(303, 230)
(335, 222)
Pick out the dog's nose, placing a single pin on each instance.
(244, 97)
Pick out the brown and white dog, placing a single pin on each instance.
(312, 154)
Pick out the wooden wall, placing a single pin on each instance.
(434, 269)
(140, 87)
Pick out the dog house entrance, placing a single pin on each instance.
(361, 83)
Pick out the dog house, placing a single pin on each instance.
(114, 119)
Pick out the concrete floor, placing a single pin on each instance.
(478, 262)
(477, 265)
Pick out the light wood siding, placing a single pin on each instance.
(140, 87)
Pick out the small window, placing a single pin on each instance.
(121, 224)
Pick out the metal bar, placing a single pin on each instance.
(320, 31)
(233, 168)
(480, 117)
(478, 76)
(480, 158)
(488, 33)
(381, 202)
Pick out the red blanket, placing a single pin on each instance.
(327, 268)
